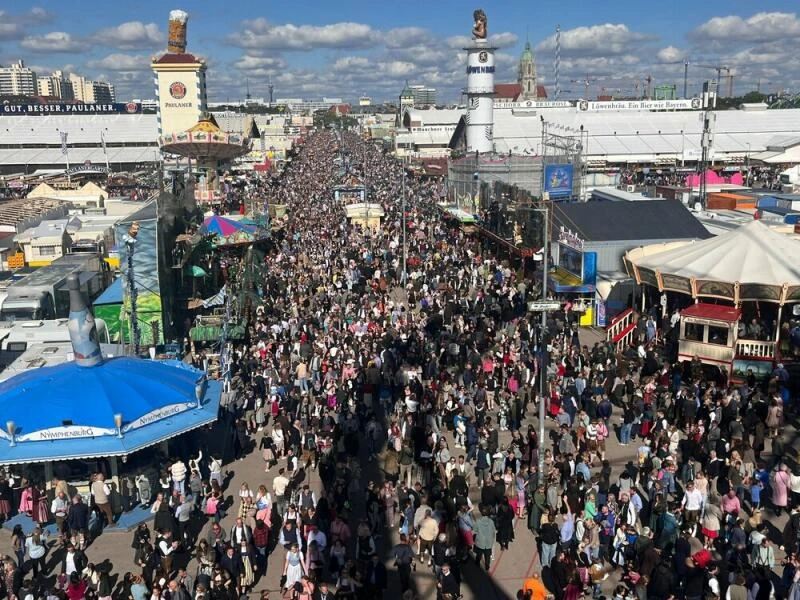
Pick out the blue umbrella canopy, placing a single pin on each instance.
(115, 408)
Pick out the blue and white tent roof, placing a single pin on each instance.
(67, 411)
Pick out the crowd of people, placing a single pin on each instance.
(407, 382)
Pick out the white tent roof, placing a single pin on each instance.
(752, 255)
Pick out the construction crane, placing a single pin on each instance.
(685, 64)
(644, 82)
(719, 69)
(586, 82)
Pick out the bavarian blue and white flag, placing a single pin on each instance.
(63, 142)
(216, 300)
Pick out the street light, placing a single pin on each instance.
(542, 349)
(405, 249)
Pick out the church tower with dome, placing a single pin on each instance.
(529, 90)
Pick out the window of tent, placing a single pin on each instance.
(694, 332)
(718, 335)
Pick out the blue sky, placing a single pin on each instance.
(312, 48)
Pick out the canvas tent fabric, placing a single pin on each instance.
(753, 262)
(76, 407)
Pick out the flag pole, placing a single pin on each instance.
(65, 152)
(105, 151)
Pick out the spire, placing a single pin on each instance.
(81, 326)
(527, 74)
(407, 93)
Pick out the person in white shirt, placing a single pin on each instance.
(178, 473)
(692, 503)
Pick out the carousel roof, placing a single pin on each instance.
(205, 140)
(753, 262)
(76, 408)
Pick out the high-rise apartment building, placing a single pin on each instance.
(18, 80)
(56, 85)
(88, 91)
(423, 96)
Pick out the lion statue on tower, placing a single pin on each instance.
(479, 28)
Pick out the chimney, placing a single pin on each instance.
(82, 330)
(176, 32)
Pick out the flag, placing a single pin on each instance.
(215, 300)
(103, 141)
(63, 142)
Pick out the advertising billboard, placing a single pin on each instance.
(571, 260)
(558, 180)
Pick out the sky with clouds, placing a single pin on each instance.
(311, 48)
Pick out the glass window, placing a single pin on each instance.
(717, 335)
(694, 332)
(47, 250)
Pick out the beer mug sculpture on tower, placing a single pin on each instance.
(82, 329)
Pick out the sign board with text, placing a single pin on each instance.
(128, 108)
(544, 305)
(686, 104)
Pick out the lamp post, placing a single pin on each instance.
(130, 243)
(405, 248)
(542, 346)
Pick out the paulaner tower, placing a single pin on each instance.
(480, 88)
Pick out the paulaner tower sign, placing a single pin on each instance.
(180, 80)
(480, 88)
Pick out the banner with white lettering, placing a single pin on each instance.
(158, 415)
(64, 433)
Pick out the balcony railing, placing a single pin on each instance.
(755, 348)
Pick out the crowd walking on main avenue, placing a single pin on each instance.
(389, 386)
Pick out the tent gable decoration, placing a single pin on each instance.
(753, 262)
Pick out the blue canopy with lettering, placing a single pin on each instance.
(68, 412)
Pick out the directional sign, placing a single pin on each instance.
(543, 305)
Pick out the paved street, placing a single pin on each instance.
(508, 569)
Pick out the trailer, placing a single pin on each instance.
(43, 295)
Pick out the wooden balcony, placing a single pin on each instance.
(755, 348)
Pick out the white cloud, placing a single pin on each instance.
(131, 35)
(761, 27)
(505, 39)
(12, 25)
(671, 54)
(248, 62)
(403, 37)
(54, 41)
(397, 68)
(604, 40)
(36, 16)
(351, 63)
(9, 29)
(121, 62)
(260, 33)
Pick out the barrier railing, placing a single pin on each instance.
(622, 330)
(755, 348)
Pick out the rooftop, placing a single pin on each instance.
(176, 59)
(617, 221)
